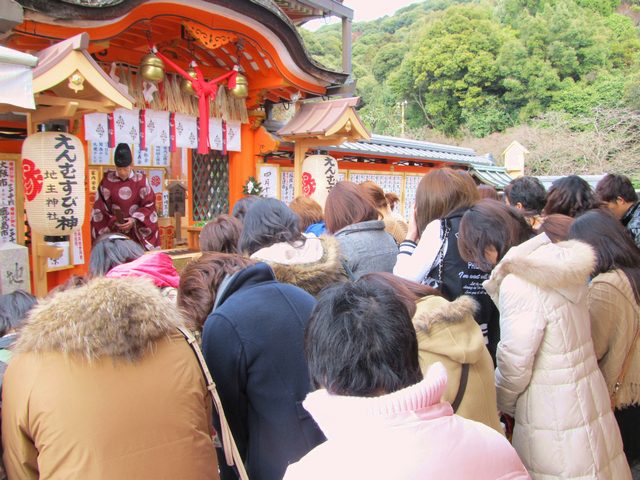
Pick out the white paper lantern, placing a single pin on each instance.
(319, 175)
(53, 176)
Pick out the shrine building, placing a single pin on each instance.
(209, 94)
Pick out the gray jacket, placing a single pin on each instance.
(367, 248)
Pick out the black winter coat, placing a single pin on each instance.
(253, 343)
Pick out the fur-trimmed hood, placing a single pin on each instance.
(312, 266)
(559, 266)
(449, 329)
(113, 317)
(443, 312)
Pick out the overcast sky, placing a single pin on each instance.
(365, 10)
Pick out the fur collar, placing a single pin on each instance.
(312, 276)
(558, 266)
(449, 312)
(108, 317)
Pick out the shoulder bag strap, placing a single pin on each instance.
(625, 367)
(231, 453)
(464, 376)
(439, 258)
(446, 229)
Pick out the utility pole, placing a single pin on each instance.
(402, 105)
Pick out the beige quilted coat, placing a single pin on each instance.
(548, 376)
(615, 317)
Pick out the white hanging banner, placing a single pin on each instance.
(16, 85)
(96, 128)
(234, 143)
(157, 128)
(126, 124)
(215, 134)
(186, 131)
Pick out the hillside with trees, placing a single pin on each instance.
(563, 73)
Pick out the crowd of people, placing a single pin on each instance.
(483, 338)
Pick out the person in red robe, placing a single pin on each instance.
(125, 203)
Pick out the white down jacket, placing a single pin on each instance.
(548, 376)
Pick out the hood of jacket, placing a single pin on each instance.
(156, 266)
(246, 278)
(311, 266)
(339, 416)
(449, 328)
(108, 317)
(562, 266)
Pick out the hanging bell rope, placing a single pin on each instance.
(204, 91)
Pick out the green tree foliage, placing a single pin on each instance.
(483, 66)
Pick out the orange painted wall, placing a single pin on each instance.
(242, 165)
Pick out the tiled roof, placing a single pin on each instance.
(316, 118)
(491, 175)
(413, 150)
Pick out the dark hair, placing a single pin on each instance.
(111, 250)
(490, 223)
(614, 245)
(122, 156)
(360, 341)
(242, 206)
(613, 186)
(528, 192)
(556, 227)
(571, 196)
(199, 283)
(268, 221)
(406, 290)
(14, 307)
(375, 193)
(441, 192)
(346, 205)
(309, 211)
(221, 235)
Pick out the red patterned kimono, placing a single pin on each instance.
(135, 198)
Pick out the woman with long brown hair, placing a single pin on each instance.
(352, 218)
(547, 376)
(430, 256)
(614, 309)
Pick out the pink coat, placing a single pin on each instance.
(408, 434)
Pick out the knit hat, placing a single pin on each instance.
(122, 157)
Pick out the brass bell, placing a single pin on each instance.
(152, 68)
(241, 90)
(186, 86)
